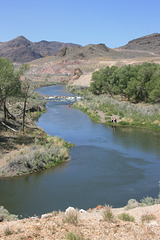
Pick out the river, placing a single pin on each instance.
(107, 165)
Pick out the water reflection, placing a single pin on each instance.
(144, 140)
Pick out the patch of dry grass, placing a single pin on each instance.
(148, 217)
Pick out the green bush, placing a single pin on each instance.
(147, 201)
(126, 217)
(132, 203)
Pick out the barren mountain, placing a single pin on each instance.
(18, 50)
(142, 47)
(150, 43)
(22, 50)
(87, 52)
(50, 48)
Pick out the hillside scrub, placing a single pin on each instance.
(137, 83)
(126, 113)
(46, 152)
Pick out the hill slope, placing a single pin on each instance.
(150, 43)
(85, 225)
(87, 52)
(22, 50)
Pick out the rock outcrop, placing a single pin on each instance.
(76, 73)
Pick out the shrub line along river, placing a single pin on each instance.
(107, 165)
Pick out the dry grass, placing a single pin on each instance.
(107, 214)
(148, 217)
(71, 217)
(90, 226)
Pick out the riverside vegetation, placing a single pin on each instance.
(24, 148)
(130, 94)
(44, 152)
(37, 151)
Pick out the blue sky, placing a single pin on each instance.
(113, 22)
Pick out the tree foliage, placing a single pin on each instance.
(138, 82)
(10, 84)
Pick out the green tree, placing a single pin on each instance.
(97, 83)
(10, 84)
(104, 81)
(153, 87)
(138, 82)
(110, 81)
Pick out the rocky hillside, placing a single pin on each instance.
(87, 52)
(150, 43)
(22, 50)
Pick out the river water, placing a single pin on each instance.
(107, 165)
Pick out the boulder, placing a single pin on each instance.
(47, 215)
(82, 211)
(70, 210)
(76, 73)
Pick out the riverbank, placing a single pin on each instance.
(23, 153)
(117, 111)
(101, 223)
(35, 152)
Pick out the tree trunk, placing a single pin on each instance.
(24, 113)
(5, 109)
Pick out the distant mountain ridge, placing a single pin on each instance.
(149, 43)
(22, 50)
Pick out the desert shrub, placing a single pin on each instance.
(107, 214)
(126, 217)
(46, 153)
(5, 215)
(157, 200)
(129, 113)
(8, 231)
(148, 217)
(73, 236)
(132, 203)
(147, 201)
(71, 217)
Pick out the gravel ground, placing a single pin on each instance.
(90, 225)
